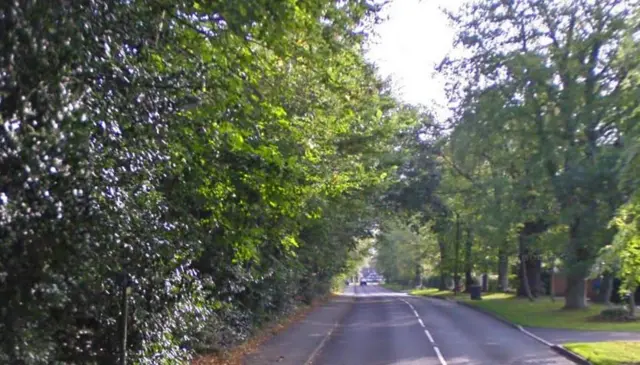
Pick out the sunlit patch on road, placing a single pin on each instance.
(370, 291)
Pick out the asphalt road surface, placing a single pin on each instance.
(387, 328)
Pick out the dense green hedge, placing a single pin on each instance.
(217, 153)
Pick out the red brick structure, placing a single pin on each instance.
(560, 286)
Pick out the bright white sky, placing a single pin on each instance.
(410, 43)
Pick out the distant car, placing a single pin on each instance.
(363, 282)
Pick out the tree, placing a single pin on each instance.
(626, 247)
(624, 251)
(497, 164)
(403, 247)
(204, 165)
(553, 65)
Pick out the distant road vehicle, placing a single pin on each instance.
(363, 282)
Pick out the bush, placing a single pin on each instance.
(152, 138)
(615, 314)
(431, 281)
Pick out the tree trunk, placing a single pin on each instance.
(503, 270)
(443, 265)
(552, 277)
(456, 273)
(575, 297)
(524, 282)
(552, 286)
(632, 302)
(442, 285)
(530, 275)
(534, 271)
(524, 277)
(485, 282)
(606, 289)
(468, 281)
(530, 262)
(468, 265)
(456, 283)
(609, 290)
(418, 276)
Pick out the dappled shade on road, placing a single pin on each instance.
(390, 328)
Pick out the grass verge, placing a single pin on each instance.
(540, 313)
(394, 287)
(608, 353)
(432, 292)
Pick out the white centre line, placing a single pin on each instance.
(426, 332)
(409, 304)
(439, 355)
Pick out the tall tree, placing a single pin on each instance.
(623, 254)
(194, 162)
(554, 64)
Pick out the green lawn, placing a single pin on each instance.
(395, 287)
(432, 292)
(608, 353)
(541, 313)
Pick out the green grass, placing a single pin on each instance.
(432, 292)
(394, 287)
(541, 313)
(608, 353)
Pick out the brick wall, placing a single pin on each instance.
(560, 286)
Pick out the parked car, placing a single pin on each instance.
(363, 282)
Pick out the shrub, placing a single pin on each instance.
(143, 137)
(615, 314)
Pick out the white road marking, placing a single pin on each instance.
(321, 344)
(439, 355)
(426, 332)
(409, 304)
(535, 337)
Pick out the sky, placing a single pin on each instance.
(409, 44)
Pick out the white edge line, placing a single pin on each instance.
(421, 323)
(321, 344)
(519, 327)
(426, 332)
(439, 355)
(535, 337)
(416, 313)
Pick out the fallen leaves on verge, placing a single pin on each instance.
(235, 355)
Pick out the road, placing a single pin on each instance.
(387, 328)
